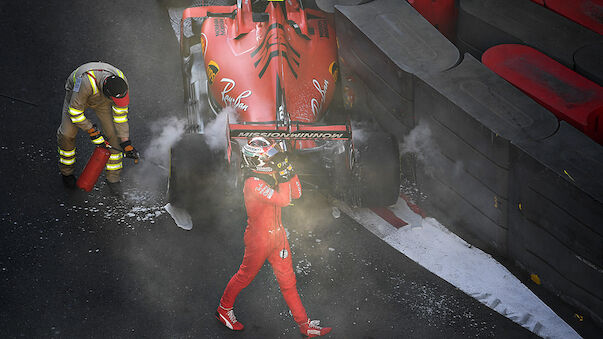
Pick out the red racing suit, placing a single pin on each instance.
(265, 238)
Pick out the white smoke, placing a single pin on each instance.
(361, 131)
(215, 131)
(153, 168)
(166, 132)
(419, 142)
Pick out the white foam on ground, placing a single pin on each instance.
(180, 216)
(471, 270)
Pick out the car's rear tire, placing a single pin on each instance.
(374, 178)
(376, 171)
(196, 174)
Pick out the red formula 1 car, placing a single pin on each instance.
(274, 65)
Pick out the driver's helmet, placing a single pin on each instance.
(257, 154)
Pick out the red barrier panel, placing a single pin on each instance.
(564, 92)
(588, 13)
(440, 13)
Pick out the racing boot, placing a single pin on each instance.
(311, 328)
(226, 316)
(69, 181)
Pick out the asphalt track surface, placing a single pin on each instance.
(88, 265)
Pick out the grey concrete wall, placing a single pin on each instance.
(486, 23)
(473, 115)
(556, 215)
(483, 146)
(386, 43)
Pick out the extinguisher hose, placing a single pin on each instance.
(154, 163)
(139, 158)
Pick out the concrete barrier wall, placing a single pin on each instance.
(472, 115)
(588, 62)
(486, 148)
(407, 45)
(486, 23)
(556, 215)
(390, 94)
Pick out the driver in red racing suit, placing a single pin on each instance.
(270, 185)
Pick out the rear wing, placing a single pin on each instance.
(294, 131)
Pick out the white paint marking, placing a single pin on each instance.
(468, 268)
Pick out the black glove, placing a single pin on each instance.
(282, 167)
(129, 150)
(97, 137)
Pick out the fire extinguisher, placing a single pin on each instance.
(93, 169)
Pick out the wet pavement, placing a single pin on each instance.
(89, 265)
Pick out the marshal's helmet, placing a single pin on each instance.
(116, 89)
(257, 155)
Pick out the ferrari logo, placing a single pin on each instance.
(212, 71)
(334, 70)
